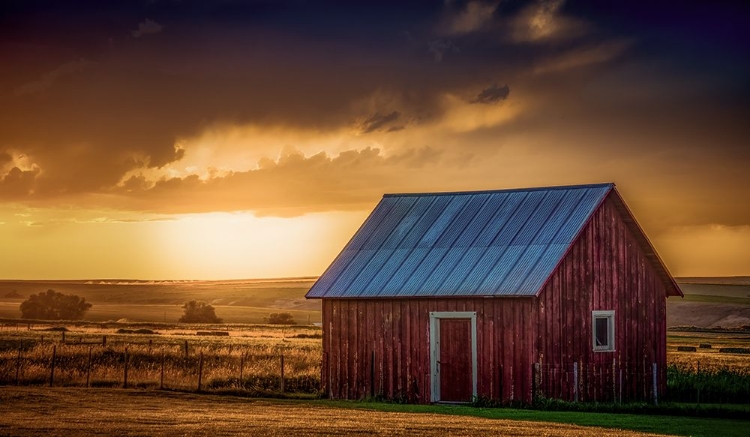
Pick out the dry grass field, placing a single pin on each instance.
(70, 412)
(253, 351)
(705, 357)
(247, 357)
(238, 301)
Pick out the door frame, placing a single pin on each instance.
(435, 317)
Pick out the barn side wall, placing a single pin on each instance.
(604, 270)
(382, 347)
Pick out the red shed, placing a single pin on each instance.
(505, 295)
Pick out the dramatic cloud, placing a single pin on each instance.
(146, 27)
(287, 108)
(378, 122)
(17, 184)
(492, 94)
(292, 185)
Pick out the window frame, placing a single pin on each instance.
(609, 315)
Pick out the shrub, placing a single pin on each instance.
(280, 319)
(54, 306)
(197, 311)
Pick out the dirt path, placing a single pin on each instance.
(70, 411)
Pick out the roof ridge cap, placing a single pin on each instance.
(502, 190)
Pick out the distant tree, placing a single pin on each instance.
(280, 319)
(54, 306)
(197, 311)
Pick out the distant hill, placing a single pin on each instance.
(711, 302)
(236, 301)
(708, 302)
(718, 280)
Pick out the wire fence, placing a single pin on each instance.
(270, 368)
(259, 369)
(595, 382)
(622, 382)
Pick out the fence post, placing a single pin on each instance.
(535, 377)
(161, 378)
(653, 380)
(52, 366)
(575, 381)
(18, 363)
(242, 364)
(282, 370)
(88, 369)
(200, 371)
(621, 385)
(125, 371)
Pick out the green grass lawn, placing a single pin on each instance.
(674, 425)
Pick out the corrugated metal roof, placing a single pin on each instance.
(488, 243)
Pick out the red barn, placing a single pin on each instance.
(504, 295)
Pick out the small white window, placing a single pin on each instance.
(603, 330)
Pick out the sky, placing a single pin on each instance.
(168, 139)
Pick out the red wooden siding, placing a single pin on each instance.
(399, 343)
(381, 347)
(604, 270)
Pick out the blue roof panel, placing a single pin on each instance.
(489, 243)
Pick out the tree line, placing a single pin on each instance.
(52, 305)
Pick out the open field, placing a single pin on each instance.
(70, 411)
(709, 357)
(238, 301)
(171, 313)
(711, 303)
(246, 358)
(708, 302)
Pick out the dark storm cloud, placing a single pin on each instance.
(91, 103)
(377, 121)
(98, 90)
(492, 94)
(17, 184)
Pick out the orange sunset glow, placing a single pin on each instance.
(220, 140)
